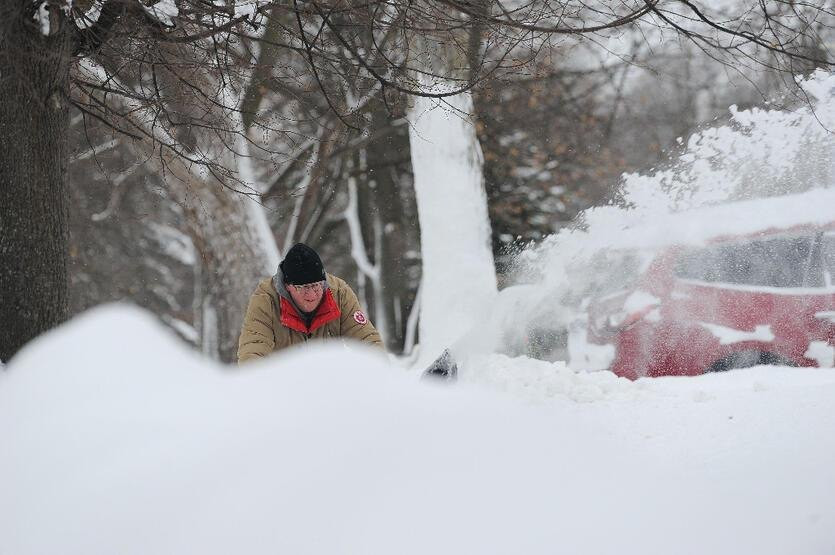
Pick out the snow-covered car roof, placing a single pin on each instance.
(703, 225)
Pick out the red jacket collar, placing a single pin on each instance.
(328, 311)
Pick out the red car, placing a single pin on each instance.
(737, 302)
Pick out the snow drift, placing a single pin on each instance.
(118, 439)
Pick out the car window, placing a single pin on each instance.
(778, 262)
(615, 270)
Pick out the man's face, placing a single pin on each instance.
(307, 297)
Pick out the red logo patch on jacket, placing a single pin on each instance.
(360, 318)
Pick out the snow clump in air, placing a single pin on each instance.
(719, 186)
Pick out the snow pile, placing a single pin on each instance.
(541, 381)
(538, 381)
(117, 439)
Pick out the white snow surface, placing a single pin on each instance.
(761, 288)
(828, 315)
(249, 8)
(639, 300)
(90, 16)
(656, 228)
(117, 439)
(174, 243)
(822, 352)
(164, 11)
(41, 16)
(585, 355)
(729, 336)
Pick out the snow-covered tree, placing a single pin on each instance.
(170, 74)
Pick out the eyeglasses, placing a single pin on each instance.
(315, 286)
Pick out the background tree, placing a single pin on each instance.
(174, 76)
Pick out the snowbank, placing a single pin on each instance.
(117, 439)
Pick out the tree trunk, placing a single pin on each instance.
(459, 279)
(232, 262)
(381, 155)
(34, 78)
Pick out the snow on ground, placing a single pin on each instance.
(117, 439)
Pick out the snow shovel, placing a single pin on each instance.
(444, 367)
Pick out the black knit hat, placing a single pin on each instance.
(302, 265)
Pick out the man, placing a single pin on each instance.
(299, 303)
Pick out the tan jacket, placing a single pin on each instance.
(272, 321)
